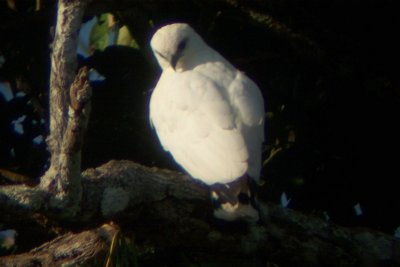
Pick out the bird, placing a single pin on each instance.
(210, 117)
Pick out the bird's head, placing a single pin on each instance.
(175, 46)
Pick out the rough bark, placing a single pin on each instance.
(88, 248)
(181, 216)
(178, 207)
(69, 110)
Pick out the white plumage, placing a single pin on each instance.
(206, 113)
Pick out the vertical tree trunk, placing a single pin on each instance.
(68, 110)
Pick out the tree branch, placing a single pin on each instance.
(179, 207)
(181, 211)
(69, 111)
(271, 23)
(88, 248)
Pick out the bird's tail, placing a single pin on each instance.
(235, 200)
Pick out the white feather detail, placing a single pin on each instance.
(206, 113)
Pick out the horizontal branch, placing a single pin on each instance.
(88, 248)
(180, 209)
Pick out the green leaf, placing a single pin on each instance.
(125, 38)
(100, 34)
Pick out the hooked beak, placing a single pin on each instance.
(175, 59)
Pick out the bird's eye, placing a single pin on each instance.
(161, 55)
(182, 44)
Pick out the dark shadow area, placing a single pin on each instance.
(332, 95)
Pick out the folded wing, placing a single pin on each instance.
(198, 125)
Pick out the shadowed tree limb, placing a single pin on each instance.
(178, 207)
(88, 247)
(69, 111)
(181, 211)
(270, 22)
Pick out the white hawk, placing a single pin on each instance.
(210, 117)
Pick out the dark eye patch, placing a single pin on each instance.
(182, 44)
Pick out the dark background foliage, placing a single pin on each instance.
(328, 72)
